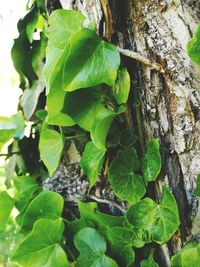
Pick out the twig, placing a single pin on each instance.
(10, 154)
(106, 201)
(142, 59)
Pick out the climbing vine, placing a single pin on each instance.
(81, 180)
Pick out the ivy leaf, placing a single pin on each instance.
(22, 58)
(193, 47)
(31, 20)
(188, 256)
(30, 98)
(7, 130)
(92, 247)
(83, 106)
(41, 247)
(148, 263)
(51, 146)
(18, 120)
(197, 190)
(101, 127)
(26, 188)
(47, 205)
(122, 86)
(63, 23)
(92, 161)
(6, 206)
(151, 166)
(122, 175)
(160, 220)
(87, 51)
(121, 245)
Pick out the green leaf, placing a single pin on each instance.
(122, 175)
(122, 86)
(160, 220)
(47, 205)
(92, 247)
(197, 190)
(89, 211)
(6, 206)
(189, 256)
(148, 263)
(83, 106)
(7, 130)
(30, 97)
(63, 23)
(91, 61)
(26, 187)
(22, 59)
(51, 146)
(152, 163)
(31, 22)
(41, 247)
(18, 120)
(101, 127)
(121, 245)
(193, 47)
(92, 161)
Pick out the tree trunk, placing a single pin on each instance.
(168, 104)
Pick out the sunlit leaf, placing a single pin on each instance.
(51, 146)
(42, 246)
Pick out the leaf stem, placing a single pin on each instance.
(75, 136)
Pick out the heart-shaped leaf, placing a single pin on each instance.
(160, 220)
(122, 175)
(47, 205)
(121, 245)
(188, 256)
(148, 263)
(92, 161)
(152, 161)
(6, 206)
(122, 87)
(92, 247)
(41, 247)
(51, 147)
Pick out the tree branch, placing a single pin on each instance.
(142, 59)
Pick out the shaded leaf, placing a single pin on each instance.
(92, 247)
(92, 161)
(148, 263)
(41, 247)
(6, 206)
(101, 127)
(152, 163)
(30, 97)
(121, 245)
(160, 220)
(83, 106)
(197, 190)
(122, 175)
(51, 146)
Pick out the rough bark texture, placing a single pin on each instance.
(170, 102)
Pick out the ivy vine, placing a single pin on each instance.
(75, 92)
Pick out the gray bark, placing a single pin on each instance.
(170, 101)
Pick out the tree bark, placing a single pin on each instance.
(168, 104)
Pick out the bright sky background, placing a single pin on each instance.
(10, 12)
